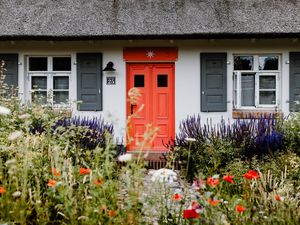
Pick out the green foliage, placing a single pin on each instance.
(292, 132)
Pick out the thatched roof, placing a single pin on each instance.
(118, 19)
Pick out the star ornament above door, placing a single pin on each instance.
(150, 54)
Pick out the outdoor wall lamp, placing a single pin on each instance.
(109, 67)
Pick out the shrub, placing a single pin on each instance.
(93, 133)
(216, 145)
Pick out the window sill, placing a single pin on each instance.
(254, 114)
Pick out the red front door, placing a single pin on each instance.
(155, 107)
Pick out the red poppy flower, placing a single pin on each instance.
(51, 183)
(55, 172)
(212, 182)
(213, 202)
(112, 213)
(98, 181)
(228, 179)
(240, 208)
(176, 197)
(251, 174)
(190, 214)
(2, 190)
(84, 171)
(279, 198)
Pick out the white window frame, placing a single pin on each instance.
(237, 83)
(50, 74)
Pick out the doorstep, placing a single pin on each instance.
(149, 155)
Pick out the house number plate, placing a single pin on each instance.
(111, 80)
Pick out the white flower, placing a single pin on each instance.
(125, 158)
(15, 135)
(16, 194)
(190, 139)
(164, 175)
(4, 110)
(10, 162)
(24, 116)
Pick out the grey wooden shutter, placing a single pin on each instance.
(89, 81)
(11, 66)
(294, 81)
(213, 82)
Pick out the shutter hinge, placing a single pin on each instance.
(99, 91)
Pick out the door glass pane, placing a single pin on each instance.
(267, 82)
(162, 80)
(60, 97)
(267, 97)
(39, 82)
(61, 63)
(268, 62)
(243, 62)
(39, 97)
(38, 64)
(61, 82)
(248, 89)
(139, 81)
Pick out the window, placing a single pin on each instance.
(256, 81)
(49, 79)
(139, 81)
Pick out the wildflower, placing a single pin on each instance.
(51, 183)
(11, 162)
(125, 158)
(240, 208)
(98, 181)
(228, 179)
(198, 184)
(14, 135)
(212, 182)
(2, 190)
(176, 197)
(279, 198)
(251, 174)
(84, 171)
(213, 202)
(4, 110)
(24, 116)
(190, 139)
(55, 172)
(17, 194)
(134, 95)
(112, 213)
(195, 205)
(190, 214)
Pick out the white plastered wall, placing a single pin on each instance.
(187, 71)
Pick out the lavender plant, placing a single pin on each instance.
(216, 145)
(94, 134)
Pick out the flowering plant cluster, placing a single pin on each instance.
(236, 200)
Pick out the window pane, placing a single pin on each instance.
(268, 63)
(243, 62)
(248, 89)
(267, 82)
(39, 97)
(60, 82)
(267, 97)
(61, 63)
(162, 80)
(139, 81)
(60, 97)
(38, 64)
(39, 82)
